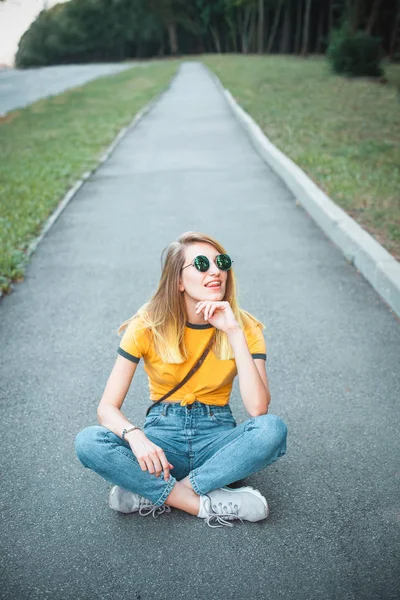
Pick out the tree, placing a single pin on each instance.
(354, 11)
(275, 23)
(171, 12)
(285, 44)
(260, 34)
(307, 9)
(395, 34)
(211, 16)
(246, 12)
(373, 16)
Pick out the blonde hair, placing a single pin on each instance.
(165, 313)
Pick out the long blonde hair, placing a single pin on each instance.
(165, 313)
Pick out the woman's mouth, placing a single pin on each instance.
(214, 285)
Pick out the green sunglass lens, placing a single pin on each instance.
(223, 262)
(201, 263)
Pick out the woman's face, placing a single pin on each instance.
(196, 284)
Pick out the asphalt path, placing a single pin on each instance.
(18, 88)
(333, 366)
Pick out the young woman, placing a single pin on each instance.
(190, 448)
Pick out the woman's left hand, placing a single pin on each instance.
(218, 314)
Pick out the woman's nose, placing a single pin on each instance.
(213, 268)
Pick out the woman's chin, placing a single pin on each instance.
(214, 295)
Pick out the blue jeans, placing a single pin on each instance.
(201, 441)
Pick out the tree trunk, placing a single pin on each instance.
(274, 27)
(244, 30)
(298, 28)
(285, 39)
(240, 27)
(353, 14)
(161, 50)
(373, 15)
(173, 43)
(234, 39)
(320, 30)
(251, 31)
(330, 21)
(217, 42)
(395, 33)
(307, 8)
(201, 47)
(260, 38)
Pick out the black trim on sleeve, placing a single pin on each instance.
(264, 356)
(199, 325)
(134, 359)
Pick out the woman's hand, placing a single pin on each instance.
(150, 456)
(219, 314)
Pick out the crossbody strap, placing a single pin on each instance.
(192, 371)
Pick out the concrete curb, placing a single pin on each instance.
(358, 246)
(77, 186)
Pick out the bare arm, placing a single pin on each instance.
(108, 411)
(253, 382)
(150, 456)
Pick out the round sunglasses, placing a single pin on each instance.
(202, 263)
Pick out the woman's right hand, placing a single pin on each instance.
(150, 456)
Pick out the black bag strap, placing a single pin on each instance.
(192, 371)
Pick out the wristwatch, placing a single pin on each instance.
(125, 431)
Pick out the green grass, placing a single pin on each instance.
(46, 147)
(345, 134)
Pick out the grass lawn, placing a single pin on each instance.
(46, 147)
(345, 134)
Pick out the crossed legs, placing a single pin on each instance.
(243, 450)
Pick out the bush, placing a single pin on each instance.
(39, 45)
(90, 30)
(355, 54)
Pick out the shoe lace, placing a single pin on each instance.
(148, 508)
(222, 514)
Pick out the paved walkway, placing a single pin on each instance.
(19, 88)
(333, 366)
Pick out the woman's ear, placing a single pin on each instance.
(181, 288)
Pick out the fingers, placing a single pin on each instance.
(142, 464)
(165, 466)
(206, 306)
(209, 307)
(206, 311)
(156, 462)
(198, 310)
(199, 307)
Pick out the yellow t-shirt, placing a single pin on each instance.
(211, 384)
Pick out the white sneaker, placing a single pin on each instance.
(125, 501)
(229, 504)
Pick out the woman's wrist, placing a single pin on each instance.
(232, 331)
(133, 433)
(130, 429)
